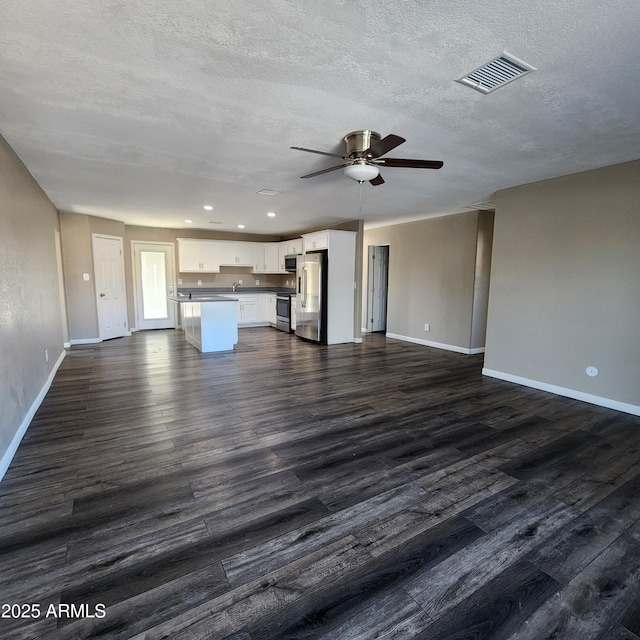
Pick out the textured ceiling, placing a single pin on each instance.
(145, 111)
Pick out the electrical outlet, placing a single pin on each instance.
(199, 283)
(179, 280)
(46, 355)
(239, 281)
(257, 282)
(427, 327)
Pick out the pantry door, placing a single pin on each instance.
(154, 279)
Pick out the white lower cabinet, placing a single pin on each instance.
(272, 313)
(248, 306)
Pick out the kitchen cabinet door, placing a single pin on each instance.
(295, 246)
(238, 254)
(314, 241)
(189, 255)
(283, 250)
(209, 256)
(197, 256)
(262, 313)
(272, 257)
(259, 261)
(248, 310)
(272, 309)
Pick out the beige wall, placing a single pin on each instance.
(432, 276)
(30, 314)
(565, 284)
(77, 254)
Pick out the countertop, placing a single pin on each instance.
(204, 298)
(216, 291)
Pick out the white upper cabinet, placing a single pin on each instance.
(271, 257)
(283, 250)
(239, 254)
(208, 255)
(197, 256)
(314, 241)
(294, 246)
(259, 261)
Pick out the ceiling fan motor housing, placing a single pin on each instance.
(359, 141)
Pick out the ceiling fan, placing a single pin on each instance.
(363, 160)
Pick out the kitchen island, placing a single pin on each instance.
(210, 323)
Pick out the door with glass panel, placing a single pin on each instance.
(154, 277)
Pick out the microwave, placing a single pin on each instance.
(291, 262)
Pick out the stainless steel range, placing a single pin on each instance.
(283, 312)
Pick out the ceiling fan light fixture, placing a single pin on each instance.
(361, 172)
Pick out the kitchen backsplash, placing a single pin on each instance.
(227, 278)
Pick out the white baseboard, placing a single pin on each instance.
(96, 340)
(357, 340)
(84, 341)
(17, 438)
(564, 391)
(67, 345)
(437, 345)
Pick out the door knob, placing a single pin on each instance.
(102, 295)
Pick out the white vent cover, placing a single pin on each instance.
(496, 73)
(482, 206)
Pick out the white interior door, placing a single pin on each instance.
(154, 280)
(108, 267)
(377, 293)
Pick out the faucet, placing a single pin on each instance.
(234, 286)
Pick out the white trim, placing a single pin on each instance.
(96, 340)
(357, 340)
(67, 345)
(17, 438)
(437, 345)
(564, 391)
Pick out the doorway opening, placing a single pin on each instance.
(378, 282)
(153, 281)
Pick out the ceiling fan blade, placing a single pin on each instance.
(410, 164)
(322, 153)
(377, 180)
(384, 146)
(318, 173)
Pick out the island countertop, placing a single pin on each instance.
(203, 298)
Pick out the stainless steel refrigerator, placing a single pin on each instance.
(311, 308)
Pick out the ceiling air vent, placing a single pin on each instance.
(496, 73)
(482, 206)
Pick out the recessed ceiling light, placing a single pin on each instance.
(240, 226)
(208, 207)
(271, 214)
(188, 221)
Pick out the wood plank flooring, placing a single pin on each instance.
(382, 490)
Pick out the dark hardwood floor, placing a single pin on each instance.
(383, 490)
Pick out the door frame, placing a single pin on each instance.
(370, 279)
(125, 319)
(137, 280)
